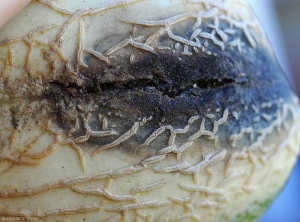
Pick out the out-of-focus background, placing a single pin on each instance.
(281, 21)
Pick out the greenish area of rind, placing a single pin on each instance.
(255, 211)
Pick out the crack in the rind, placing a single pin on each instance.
(167, 74)
(169, 89)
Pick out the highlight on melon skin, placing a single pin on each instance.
(142, 110)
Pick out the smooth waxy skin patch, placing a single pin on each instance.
(177, 113)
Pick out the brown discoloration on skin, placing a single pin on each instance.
(170, 89)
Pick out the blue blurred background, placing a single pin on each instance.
(281, 21)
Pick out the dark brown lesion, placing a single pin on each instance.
(170, 89)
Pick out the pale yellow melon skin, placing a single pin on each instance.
(45, 175)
